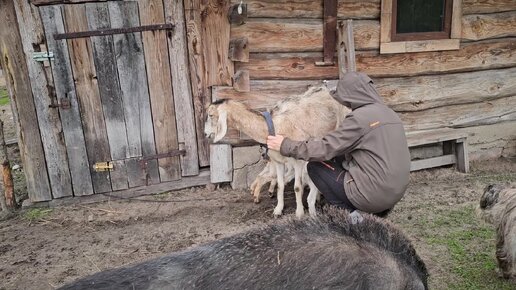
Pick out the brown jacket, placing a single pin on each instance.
(373, 141)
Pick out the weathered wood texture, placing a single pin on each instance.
(221, 163)
(241, 81)
(299, 35)
(216, 36)
(65, 90)
(364, 9)
(477, 27)
(135, 93)
(471, 57)
(31, 31)
(50, 2)
(462, 115)
(15, 70)
(8, 200)
(110, 93)
(160, 88)
(183, 99)
(200, 91)
(487, 6)
(88, 96)
(492, 141)
(239, 49)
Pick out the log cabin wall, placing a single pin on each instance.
(472, 89)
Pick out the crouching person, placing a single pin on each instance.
(364, 164)
(328, 252)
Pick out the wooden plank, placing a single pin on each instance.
(65, 90)
(135, 92)
(364, 9)
(51, 2)
(200, 92)
(491, 141)
(50, 128)
(160, 89)
(221, 163)
(329, 30)
(487, 6)
(461, 150)
(484, 26)
(456, 21)
(432, 162)
(299, 35)
(425, 92)
(183, 99)
(110, 93)
(471, 57)
(88, 96)
(202, 179)
(417, 138)
(350, 45)
(386, 21)
(463, 115)
(14, 66)
(216, 36)
(419, 46)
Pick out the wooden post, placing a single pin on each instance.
(329, 31)
(346, 48)
(221, 163)
(7, 177)
(19, 87)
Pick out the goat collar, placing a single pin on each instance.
(270, 128)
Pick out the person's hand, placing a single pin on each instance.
(274, 142)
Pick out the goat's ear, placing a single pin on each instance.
(222, 126)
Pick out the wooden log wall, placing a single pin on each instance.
(471, 88)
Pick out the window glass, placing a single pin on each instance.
(420, 16)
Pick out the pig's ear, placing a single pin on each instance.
(222, 126)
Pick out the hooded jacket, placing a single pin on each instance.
(372, 140)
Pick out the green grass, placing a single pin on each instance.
(4, 96)
(471, 246)
(36, 214)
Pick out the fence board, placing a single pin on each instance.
(48, 118)
(174, 13)
(65, 90)
(134, 89)
(200, 91)
(88, 96)
(14, 66)
(109, 88)
(160, 88)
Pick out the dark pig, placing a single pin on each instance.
(327, 252)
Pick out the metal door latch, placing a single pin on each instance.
(43, 55)
(103, 166)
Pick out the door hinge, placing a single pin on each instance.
(103, 166)
(43, 55)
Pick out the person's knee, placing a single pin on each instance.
(311, 168)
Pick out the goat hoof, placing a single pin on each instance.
(256, 200)
(277, 213)
(300, 213)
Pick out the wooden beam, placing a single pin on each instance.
(14, 66)
(239, 49)
(477, 27)
(50, 128)
(53, 2)
(241, 81)
(471, 57)
(346, 48)
(200, 92)
(329, 30)
(487, 6)
(461, 151)
(419, 138)
(178, 56)
(363, 9)
(221, 163)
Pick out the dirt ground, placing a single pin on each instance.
(45, 248)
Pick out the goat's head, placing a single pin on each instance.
(216, 125)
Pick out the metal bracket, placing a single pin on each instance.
(43, 55)
(64, 103)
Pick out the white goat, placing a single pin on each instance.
(311, 114)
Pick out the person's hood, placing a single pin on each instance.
(355, 90)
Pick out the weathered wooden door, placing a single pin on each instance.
(124, 98)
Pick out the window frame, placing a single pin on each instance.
(449, 39)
